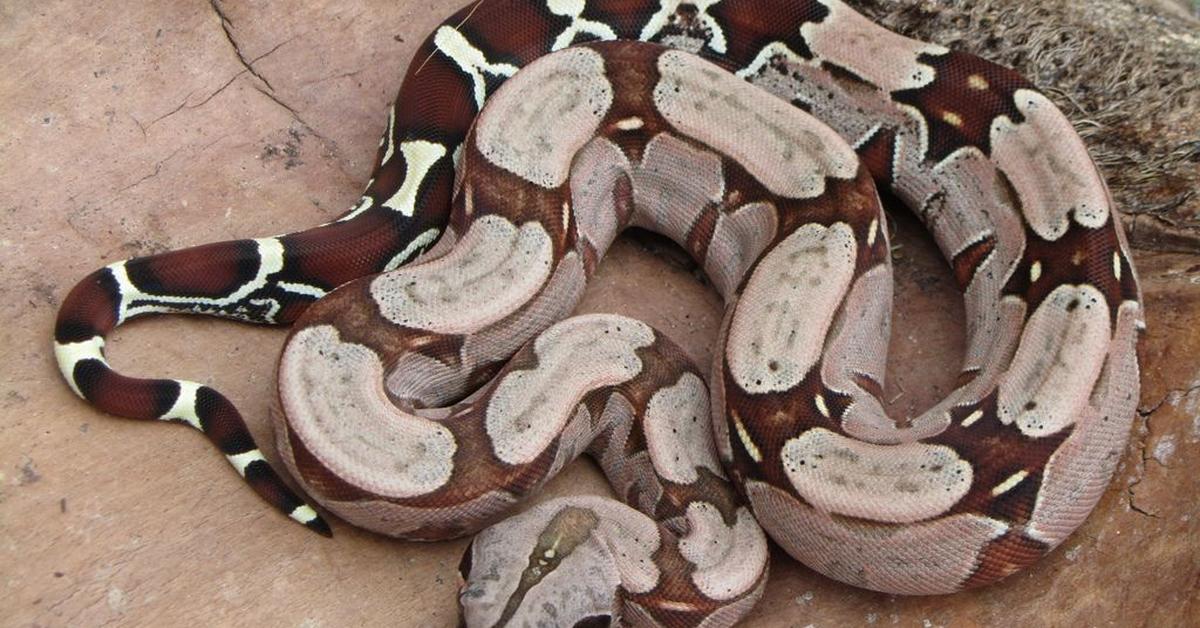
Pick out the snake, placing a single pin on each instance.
(434, 377)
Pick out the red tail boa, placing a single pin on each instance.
(401, 410)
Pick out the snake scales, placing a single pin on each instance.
(402, 407)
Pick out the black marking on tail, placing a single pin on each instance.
(320, 526)
(222, 423)
(122, 396)
(89, 377)
(91, 309)
(263, 479)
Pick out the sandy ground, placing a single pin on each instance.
(132, 128)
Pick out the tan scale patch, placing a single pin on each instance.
(887, 60)
(534, 127)
(491, 272)
(673, 184)
(678, 433)
(1080, 470)
(554, 302)
(332, 392)
(746, 123)
(787, 307)
(1062, 350)
(892, 483)
(421, 523)
(1050, 168)
(528, 408)
(729, 559)
(892, 559)
(598, 167)
(738, 239)
(857, 346)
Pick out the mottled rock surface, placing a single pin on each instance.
(132, 128)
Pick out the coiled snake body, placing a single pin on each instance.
(402, 407)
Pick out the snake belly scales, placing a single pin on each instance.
(433, 378)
